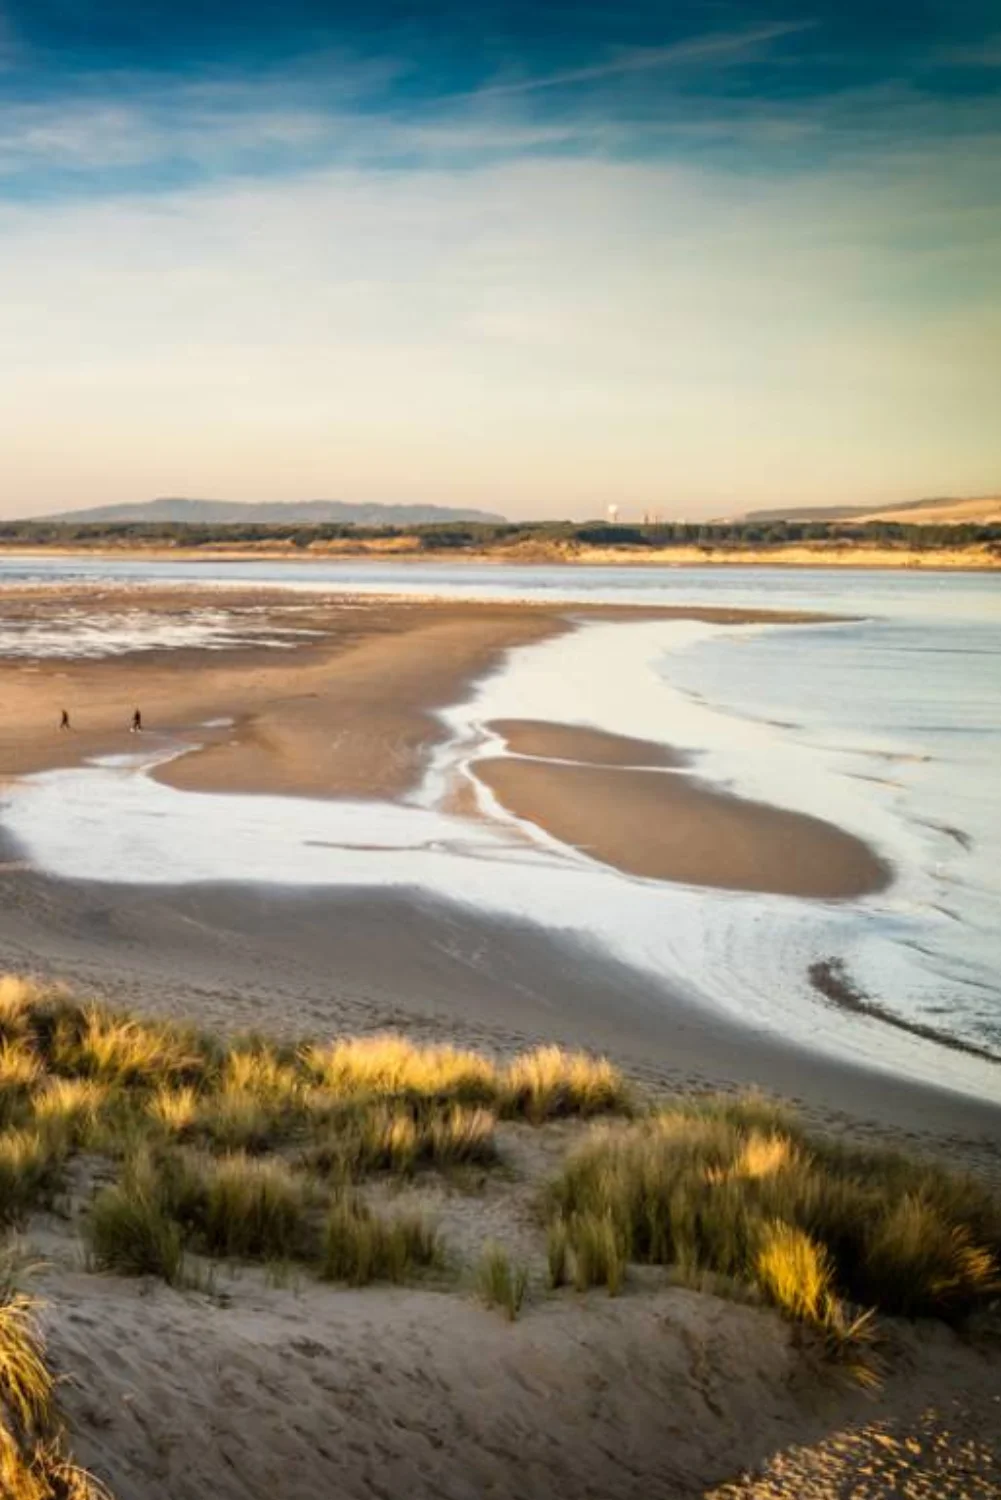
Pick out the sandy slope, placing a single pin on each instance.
(261, 1393)
(981, 510)
(263, 1388)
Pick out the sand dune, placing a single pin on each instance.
(258, 1392)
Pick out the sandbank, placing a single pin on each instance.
(667, 826)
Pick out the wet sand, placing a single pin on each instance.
(308, 1390)
(248, 956)
(301, 962)
(667, 826)
(547, 741)
(350, 712)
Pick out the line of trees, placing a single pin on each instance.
(476, 537)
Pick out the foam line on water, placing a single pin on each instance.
(112, 822)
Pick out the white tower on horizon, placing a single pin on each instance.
(613, 514)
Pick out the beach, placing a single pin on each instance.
(351, 711)
(308, 839)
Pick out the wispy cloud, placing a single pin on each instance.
(536, 334)
(341, 278)
(718, 46)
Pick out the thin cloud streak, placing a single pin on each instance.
(646, 59)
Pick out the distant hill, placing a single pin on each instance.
(984, 510)
(296, 513)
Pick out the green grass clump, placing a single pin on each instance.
(598, 1253)
(30, 1168)
(129, 1228)
(750, 1196)
(251, 1208)
(501, 1283)
(360, 1247)
(94, 1042)
(375, 1136)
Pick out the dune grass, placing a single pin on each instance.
(129, 1228)
(740, 1190)
(254, 1150)
(360, 1247)
(502, 1283)
(366, 1136)
(30, 1170)
(33, 1461)
(251, 1150)
(539, 1085)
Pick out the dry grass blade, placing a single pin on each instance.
(26, 1384)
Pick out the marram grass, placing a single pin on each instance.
(33, 1460)
(747, 1195)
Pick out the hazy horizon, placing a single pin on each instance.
(523, 258)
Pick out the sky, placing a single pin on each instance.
(538, 257)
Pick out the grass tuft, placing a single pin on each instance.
(252, 1209)
(33, 1464)
(391, 1066)
(794, 1272)
(29, 1172)
(747, 1195)
(375, 1136)
(129, 1230)
(174, 1110)
(359, 1247)
(501, 1283)
(97, 1043)
(18, 997)
(549, 1083)
(26, 1383)
(67, 1110)
(598, 1252)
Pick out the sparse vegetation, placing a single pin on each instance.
(738, 1189)
(33, 1462)
(259, 1152)
(360, 1247)
(501, 1283)
(251, 1150)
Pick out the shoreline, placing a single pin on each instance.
(284, 745)
(868, 559)
(648, 820)
(351, 712)
(241, 959)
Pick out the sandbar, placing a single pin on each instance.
(667, 826)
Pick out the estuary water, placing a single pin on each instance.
(888, 724)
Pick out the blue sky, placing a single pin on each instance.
(536, 256)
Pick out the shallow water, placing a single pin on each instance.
(889, 725)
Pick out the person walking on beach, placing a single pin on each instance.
(64, 720)
(137, 723)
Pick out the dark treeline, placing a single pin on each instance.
(475, 537)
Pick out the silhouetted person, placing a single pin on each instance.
(137, 722)
(64, 720)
